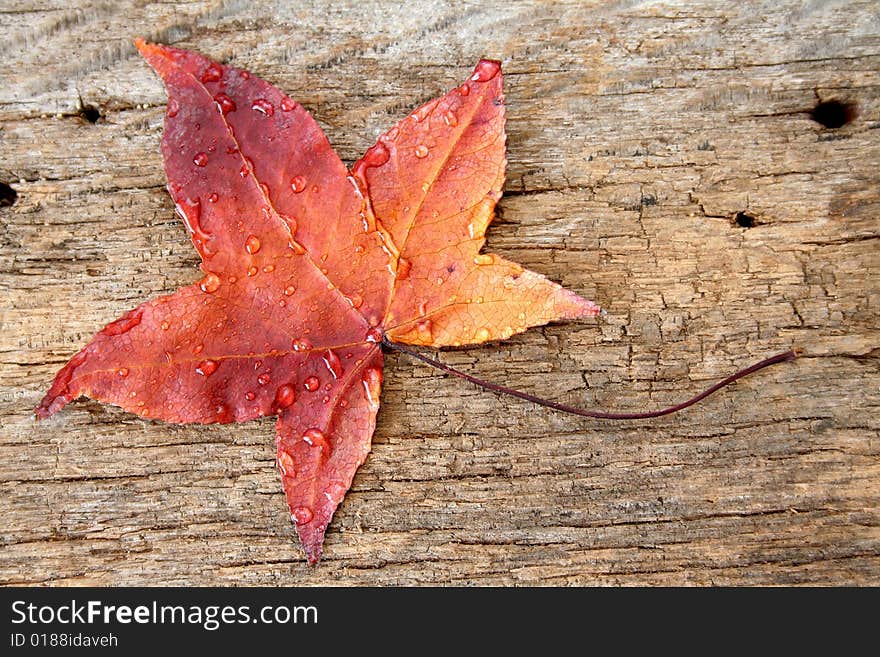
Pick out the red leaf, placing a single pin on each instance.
(306, 267)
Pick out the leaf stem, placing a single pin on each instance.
(602, 415)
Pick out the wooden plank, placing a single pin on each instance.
(638, 132)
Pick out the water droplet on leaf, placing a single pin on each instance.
(316, 438)
(252, 244)
(207, 367)
(201, 159)
(485, 70)
(312, 383)
(264, 378)
(421, 151)
(285, 396)
(298, 184)
(301, 515)
(213, 73)
(224, 103)
(331, 360)
(210, 283)
(263, 106)
(285, 464)
(372, 382)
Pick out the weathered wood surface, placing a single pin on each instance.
(637, 132)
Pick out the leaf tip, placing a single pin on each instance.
(314, 548)
(143, 47)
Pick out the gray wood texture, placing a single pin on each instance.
(638, 132)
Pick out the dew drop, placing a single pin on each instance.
(232, 279)
(164, 326)
(374, 335)
(372, 382)
(264, 378)
(252, 244)
(312, 383)
(212, 197)
(301, 344)
(173, 108)
(450, 119)
(316, 438)
(244, 171)
(403, 268)
(287, 105)
(482, 334)
(263, 106)
(201, 159)
(209, 283)
(484, 259)
(252, 271)
(285, 464)
(421, 151)
(289, 290)
(356, 300)
(250, 396)
(285, 396)
(301, 515)
(485, 70)
(464, 89)
(198, 349)
(122, 372)
(224, 103)
(207, 367)
(359, 249)
(213, 73)
(269, 269)
(331, 360)
(298, 184)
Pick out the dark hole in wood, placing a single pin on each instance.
(834, 113)
(8, 196)
(90, 113)
(744, 220)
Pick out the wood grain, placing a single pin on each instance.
(638, 132)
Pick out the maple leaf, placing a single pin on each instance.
(309, 267)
